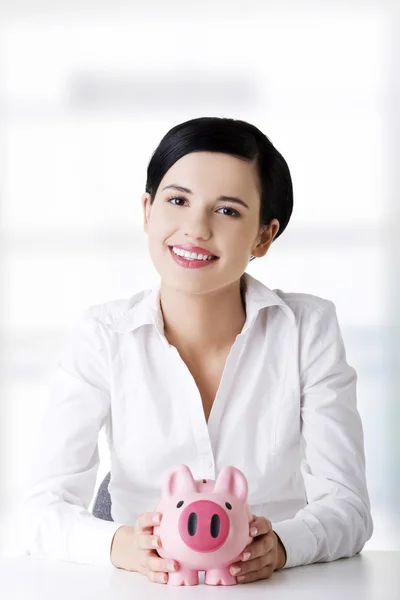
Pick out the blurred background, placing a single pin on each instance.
(88, 89)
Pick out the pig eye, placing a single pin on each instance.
(228, 505)
(179, 504)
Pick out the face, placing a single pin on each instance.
(200, 217)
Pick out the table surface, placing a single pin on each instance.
(371, 575)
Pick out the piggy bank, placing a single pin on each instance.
(204, 524)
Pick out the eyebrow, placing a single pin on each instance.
(223, 198)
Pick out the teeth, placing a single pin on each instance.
(191, 255)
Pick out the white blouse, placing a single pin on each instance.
(285, 414)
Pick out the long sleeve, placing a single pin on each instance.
(336, 522)
(56, 521)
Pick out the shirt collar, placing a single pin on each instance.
(147, 311)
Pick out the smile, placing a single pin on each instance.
(191, 260)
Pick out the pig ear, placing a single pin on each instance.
(178, 479)
(231, 481)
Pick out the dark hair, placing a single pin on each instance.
(237, 138)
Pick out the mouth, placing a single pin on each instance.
(212, 256)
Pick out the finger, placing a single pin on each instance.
(249, 566)
(145, 521)
(269, 541)
(140, 568)
(156, 577)
(260, 546)
(257, 548)
(264, 573)
(253, 550)
(155, 563)
(144, 559)
(148, 542)
(262, 526)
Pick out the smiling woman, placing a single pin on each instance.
(215, 187)
(209, 368)
(220, 185)
(272, 184)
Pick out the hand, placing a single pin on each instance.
(132, 549)
(267, 553)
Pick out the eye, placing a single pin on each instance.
(175, 198)
(179, 504)
(228, 505)
(233, 213)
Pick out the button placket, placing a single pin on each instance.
(207, 461)
(227, 375)
(199, 428)
(203, 432)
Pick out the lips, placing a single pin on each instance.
(196, 249)
(192, 263)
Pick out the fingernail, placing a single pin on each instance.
(156, 519)
(155, 543)
(241, 577)
(246, 555)
(235, 570)
(162, 577)
(253, 531)
(171, 567)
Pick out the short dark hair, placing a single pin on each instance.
(237, 138)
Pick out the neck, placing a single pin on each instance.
(199, 323)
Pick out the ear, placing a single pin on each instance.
(231, 481)
(265, 238)
(178, 479)
(146, 210)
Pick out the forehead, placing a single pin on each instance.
(213, 171)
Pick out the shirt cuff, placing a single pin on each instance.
(95, 547)
(68, 532)
(299, 541)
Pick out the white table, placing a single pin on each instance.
(371, 575)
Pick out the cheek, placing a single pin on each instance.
(158, 233)
(239, 238)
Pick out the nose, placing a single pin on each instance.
(197, 227)
(203, 526)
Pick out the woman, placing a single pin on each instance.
(210, 367)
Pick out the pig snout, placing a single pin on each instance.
(203, 526)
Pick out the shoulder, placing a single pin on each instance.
(306, 307)
(111, 310)
(301, 300)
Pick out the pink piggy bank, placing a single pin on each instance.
(204, 524)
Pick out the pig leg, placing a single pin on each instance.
(220, 576)
(183, 577)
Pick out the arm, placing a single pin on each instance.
(337, 520)
(56, 521)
